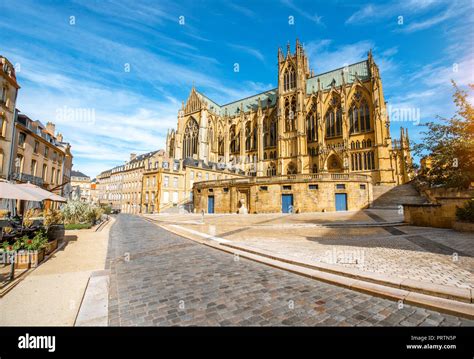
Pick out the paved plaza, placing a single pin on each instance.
(159, 278)
(347, 239)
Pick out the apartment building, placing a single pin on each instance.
(81, 186)
(8, 94)
(168, 183)
(40, 156)
(132, 182)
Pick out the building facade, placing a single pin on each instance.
(40, 156)
(80, 187)
(168, 182)
(332, 122)
(154, 182)
(8, 95)
(335, 122)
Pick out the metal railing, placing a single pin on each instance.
(287, 178)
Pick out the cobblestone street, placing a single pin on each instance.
(161, 279)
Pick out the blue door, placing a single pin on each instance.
(341, 202)
(210, 204)
(286, 203)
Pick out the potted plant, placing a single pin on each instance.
(36, 247)
(22, 257)
(53, 220)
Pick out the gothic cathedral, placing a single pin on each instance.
(334, 122)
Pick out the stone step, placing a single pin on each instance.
(392, 196)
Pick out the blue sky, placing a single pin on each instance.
(75, 55)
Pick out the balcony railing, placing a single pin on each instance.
(24, 177)
(287, 178)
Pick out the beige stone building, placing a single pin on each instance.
(335, 123)
(132, 182)
(81, 187)
(168, 183)
(154, 182)
(40, 156)
(109, 187)
(121, 187)
(8, 94)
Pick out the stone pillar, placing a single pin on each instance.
(226, 140)
(242, 142)
(260, 119)
(203, 148)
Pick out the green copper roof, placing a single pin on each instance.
(326, 79)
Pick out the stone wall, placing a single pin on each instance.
(266, 196)
(441, 212)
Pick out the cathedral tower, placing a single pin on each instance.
(293, 71)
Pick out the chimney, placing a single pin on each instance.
(51, 128)
(132, 156)
(59, 137)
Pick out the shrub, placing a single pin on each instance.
(466, 213)
(106, 209)
(75, 212)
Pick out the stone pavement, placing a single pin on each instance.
(51, 294)
(159, 278)
(438, 256)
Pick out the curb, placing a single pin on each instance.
(404, 294)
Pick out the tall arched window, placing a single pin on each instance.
(359, 117)
(234, 140)
(271, 169)
(211, 138)
(333, 120)
(311, 126)
(273, 131)
(290, 113)
(248, 136)
(191, 137)
(254, 137)
(221, 145)
(289, 79)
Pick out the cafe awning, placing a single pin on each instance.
(42, 192)
(13, 191)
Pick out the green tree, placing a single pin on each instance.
(450, 145)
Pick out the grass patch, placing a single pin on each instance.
(77, 226)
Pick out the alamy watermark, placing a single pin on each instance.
(75, 114)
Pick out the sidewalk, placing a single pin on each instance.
(431, 261)
(51, 294)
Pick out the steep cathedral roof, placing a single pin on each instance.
(268, 98)
(327, 78)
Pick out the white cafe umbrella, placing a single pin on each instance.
(42, 192)
(14, 191)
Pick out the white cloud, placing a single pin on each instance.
(417, 14)
(368, 12)
(324, 58)
(249, 50)
(307, 15)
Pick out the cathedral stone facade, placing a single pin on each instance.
(335, 122)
